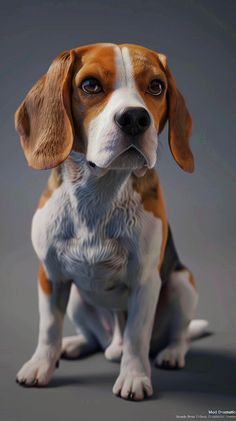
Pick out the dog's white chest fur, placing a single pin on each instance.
(103, 246)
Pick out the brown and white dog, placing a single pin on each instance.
(100, 231)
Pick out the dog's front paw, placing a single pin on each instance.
(134, 386)
(38, 370)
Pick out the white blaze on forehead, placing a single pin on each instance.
(124, 66)
(125, 86)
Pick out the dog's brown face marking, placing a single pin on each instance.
(93, 61)
(99, 62)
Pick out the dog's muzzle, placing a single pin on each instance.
(127, 148)
(129, 159)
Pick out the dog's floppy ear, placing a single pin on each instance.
(44, 120)
(180, 122)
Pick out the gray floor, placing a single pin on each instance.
(199, 39)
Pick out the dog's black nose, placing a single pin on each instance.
(133, 120)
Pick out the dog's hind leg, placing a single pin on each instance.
(78, 346)
(93, 328)
(180, 297)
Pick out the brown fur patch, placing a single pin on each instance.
(44, 120)
(150, 191)
(96, 61)
(44, 282)
(192, 280)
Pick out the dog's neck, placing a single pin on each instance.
(92, 195)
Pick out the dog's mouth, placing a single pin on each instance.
(129, 159)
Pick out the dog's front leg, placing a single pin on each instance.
(134, 381)
(53, 298)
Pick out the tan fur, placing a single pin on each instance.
(192, 280)
(44, 120)
(44, 282)
(180, 126)
(92, 61)
(150, 190)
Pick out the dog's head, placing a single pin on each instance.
(109, 102)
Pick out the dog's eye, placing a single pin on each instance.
(91, 86)
(156, 87)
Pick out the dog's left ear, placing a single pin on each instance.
(180, 122)
(44, 120)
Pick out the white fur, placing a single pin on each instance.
(85, 225)
(134, 378)
(90, 321)
(125, 75)
(73, 236)
(39, 369)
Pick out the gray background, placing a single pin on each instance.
(199, 39)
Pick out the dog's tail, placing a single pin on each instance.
(197, 328)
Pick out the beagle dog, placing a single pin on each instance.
(100, 230)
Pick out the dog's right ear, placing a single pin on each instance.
(180, 122)
(44, 120)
